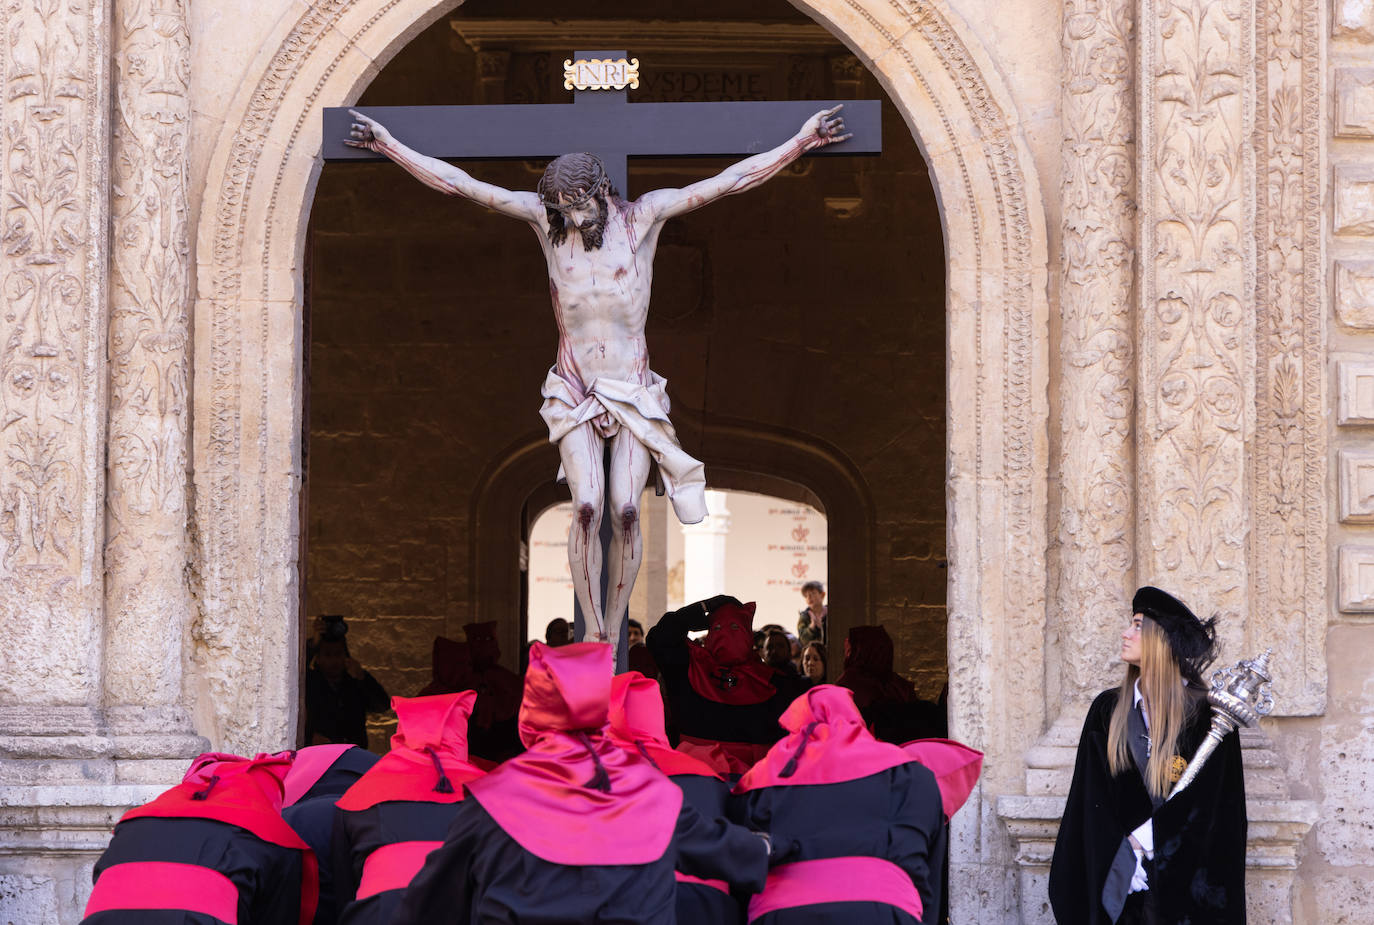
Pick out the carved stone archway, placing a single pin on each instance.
(248, 387)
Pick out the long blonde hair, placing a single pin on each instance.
(1166, 699)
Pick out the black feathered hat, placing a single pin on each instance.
(1194, 643)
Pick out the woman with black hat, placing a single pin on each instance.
(1126, 851)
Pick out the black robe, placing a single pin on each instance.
(895, 815)
(709, 796)
(482, 875)
(700, 716)
(1198, 872)
(268, 876)
(313, 818)
(358, 833)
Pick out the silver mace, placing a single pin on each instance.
(1239, 696)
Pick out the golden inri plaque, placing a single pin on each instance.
(601, 74)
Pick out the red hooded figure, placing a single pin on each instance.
(213, 850)
(576, 829)
(725, 700)
(865, 818)
(400, 809)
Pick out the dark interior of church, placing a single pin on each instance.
(800, 326)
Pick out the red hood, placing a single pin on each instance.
(567, 689)
(428, 761)
(575, 796)
(439, 722)
(827, 743)
(868, 649)
(956, 768)
(637, 725)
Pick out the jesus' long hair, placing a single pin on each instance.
(574, 175)
(1166, 699)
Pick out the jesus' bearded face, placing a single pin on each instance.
(574, 191)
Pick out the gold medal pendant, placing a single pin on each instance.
(1176, 768)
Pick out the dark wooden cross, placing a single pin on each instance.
(603, 122)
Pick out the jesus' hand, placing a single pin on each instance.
(824, 128)
(367, 133)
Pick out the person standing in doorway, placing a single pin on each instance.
(811, 625)
(1128, 852)
(339, 692)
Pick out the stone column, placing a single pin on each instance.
(1196, 326)
(53, 168)
(703, 551)
(1096, 547)
(147, 552)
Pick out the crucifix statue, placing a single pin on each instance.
(606, 410)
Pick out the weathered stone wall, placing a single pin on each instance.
(813, 307)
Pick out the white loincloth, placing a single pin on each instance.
(643, 411)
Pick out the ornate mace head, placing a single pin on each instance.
(1242, 691)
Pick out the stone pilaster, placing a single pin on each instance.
(1094, 462)
(53, 168)
(147, 551)
(1196, 324)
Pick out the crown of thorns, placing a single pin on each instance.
(586, 196)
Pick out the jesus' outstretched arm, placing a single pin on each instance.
(824, 128)
(370, 134)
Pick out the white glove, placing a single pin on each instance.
(1139, 880)
(1143, 844)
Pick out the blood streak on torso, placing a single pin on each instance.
(601, 301)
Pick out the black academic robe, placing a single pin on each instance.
(1198, 872)
(709, 796)
(699, 716)
(358, 833)
(313, 817)
(268, 876)
(483, 876)
(895, 815)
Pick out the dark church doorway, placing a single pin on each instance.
(801, 328)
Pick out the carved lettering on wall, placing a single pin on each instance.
(1356, 579)
(1288, 571)
(1354, 200)
(146, 545)
(1355, 404)
(1195, 317)
(1355, 293)
(1355, 102)
(1096, 516)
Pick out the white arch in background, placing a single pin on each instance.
(247, 413)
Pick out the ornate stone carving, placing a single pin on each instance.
(147, 554)
(1355, 402)
(52, 199)
(1195, 284)
(1096, 557)
(1288, 536)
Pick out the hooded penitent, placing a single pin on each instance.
(428, 761)
(574, 797)
(637, 724)
(868, 669)
(325, 770)
(724, 666)
(245, 793)
(826, 743)
(873, 854)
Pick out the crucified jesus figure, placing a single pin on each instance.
(599, 249)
